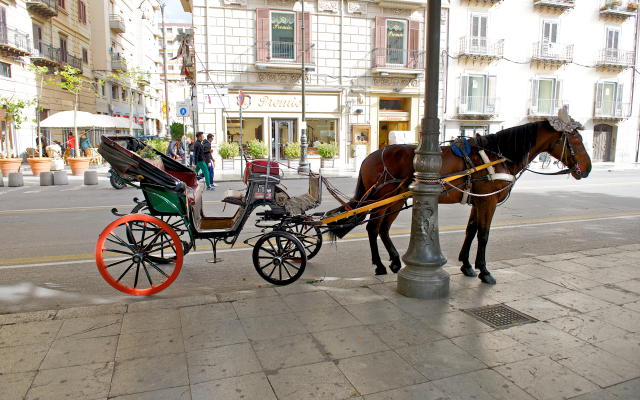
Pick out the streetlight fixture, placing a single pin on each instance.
(166, 81)
(304, 162)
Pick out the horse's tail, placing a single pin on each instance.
(338, 229)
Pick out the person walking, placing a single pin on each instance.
(189, 149)
(175, 150)
(198, 154)
(85, 143)
(209, 157)
(71, 144)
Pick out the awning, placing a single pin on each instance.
(64, 119)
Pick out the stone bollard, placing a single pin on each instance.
(16, 179)
(46, 178)
(91, 177)
(60, 178)
(1, 181)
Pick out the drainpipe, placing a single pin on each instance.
(633, 76)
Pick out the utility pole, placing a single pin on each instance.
(304, 162)
(164, 55)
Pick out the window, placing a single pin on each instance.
(5, 70)
(114, 92)
(609, 100)
(397, 44)
(612, 37)
(283, 35)
(82, 12)
(169, 30)
(478, 32)
(179, 30)
(278, 36)
(102, 89)
(160, 43)
(477, 94)
(392, 104)
(170, 55)
(124, 94)
(546, 96)
(85, 56)
(324, 130)
(61, 4)
(396, 41)
(170, 67)
(63, 49)
(37, 38)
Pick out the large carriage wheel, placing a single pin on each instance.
(279, 257)
(127, 252)
(310, 236)
(175, 223)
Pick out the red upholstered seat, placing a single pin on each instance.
(260, 167)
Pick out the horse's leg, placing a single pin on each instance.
(472, 229)
(486, 209)
(386, 240)
(373, 229)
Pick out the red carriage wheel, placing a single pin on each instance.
(129, 250)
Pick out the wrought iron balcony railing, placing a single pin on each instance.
(75, 62)
(481, 48)
(13, 42)
(614, 58)
(546, 107)
(558, 52)
(46, 8)
(559, 5)
(116, 23)
(118, 62)
(611, 110)
(398, 58)
(284, 52)
(45, 54)
(478, 105)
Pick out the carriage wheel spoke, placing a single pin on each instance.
(147, 273)
(120, 241)
(117, 251)
(116, 263)
(132, 239)
(266, 265)
(135, 281)
(125, 272)
(272, 271)
(272, 248)
(286, 270)
(156, 268)
(292, 266)
(144, 231)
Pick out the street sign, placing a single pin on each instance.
(240, 98)
(184, 108)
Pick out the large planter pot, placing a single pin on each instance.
(227, 163)
(326, 163)
(293, 164)
(78, 165)
(39, 165)
(8, 165)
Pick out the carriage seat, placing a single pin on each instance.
(233, 197)
(257, 167)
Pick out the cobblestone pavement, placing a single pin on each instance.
(347, 339)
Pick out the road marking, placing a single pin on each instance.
(578, 186)
(44, 210)
(354, 237)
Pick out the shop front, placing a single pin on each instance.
(393, 117)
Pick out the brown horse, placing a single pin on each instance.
(394, 165)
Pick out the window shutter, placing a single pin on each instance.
(380, 59)
(619, 100)
(307, 36)
(533, 107)
(413, 45)
(464, 94)
(599, 93)
(262, 35)
(79, 11)
(558, 97)
(491, 102)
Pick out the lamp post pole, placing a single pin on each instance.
(422, 276)
(166, 82)
(304, 162)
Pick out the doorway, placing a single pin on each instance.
(385, 127)
(283, 131)
(602, 135)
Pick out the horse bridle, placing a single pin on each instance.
(577, 167)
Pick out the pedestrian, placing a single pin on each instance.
(84, 144)
(175, 150)
(209, 157)
(190, 149)
(43, 140)
(198, 153)
(71, 144)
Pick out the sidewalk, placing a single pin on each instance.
(347, 339)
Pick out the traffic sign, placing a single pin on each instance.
(240, 98)
(184, 108)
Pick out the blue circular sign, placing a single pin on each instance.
(183, 111)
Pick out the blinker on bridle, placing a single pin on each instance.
(577, 167)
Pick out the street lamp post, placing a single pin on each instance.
(422, 276)
(304, 162)
(166, 82)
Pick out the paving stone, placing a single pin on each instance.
(494, 348)
(376, 372)
(559, 257)
(627, 390)
(632, 271)
(349, 342)
(504, 275)
(15, 386)
(605, 275)
(626, 347)
(540, 308)
(177, 393)
(171, 303)
(632, 285)
(536, 270)
(480, 385)
(295, 289)
(309, 301)
(149, 344)
(25, 358)
(71, 352)
(422, 391)
(353, 295)
(81, 382)
(89, 327)
(620, 317)
(20, 318)
(612, 295)
(524, 290)
(376, 312)
(571, 281)
(601, 394)
(598, 252)
(471, 298)
(349, 282)
(630, 247)
(255, 386)
(93, 311)
(567, 266)
(387, 278)
(222, 362)
(149, 321)
(247, 294)
(327, 319)
(455, 324)
(322, 381)
(543, 338)
(207, 313)
(600, 367)
(405, 332)
(290, 351)
(520, 261)
(387, 290)
(587, 328)
(419, 308)
(147, 374)
(545, 379)
(273, 326)
(632, 306)
(32, 333)
(578, 301)
(213, 334)
(259, 307)
(440, 359)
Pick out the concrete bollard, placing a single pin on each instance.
(46, 178)
(16, 179)
(91, 177)
(1, 181)
(60, 178)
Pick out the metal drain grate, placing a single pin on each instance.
(499, 316)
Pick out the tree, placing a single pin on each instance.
(39, 72)
(130, 78)
(13, 113)
(71, 79)
(177, 131)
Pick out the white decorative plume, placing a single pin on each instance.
(563, 114)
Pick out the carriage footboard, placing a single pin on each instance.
(299, 204)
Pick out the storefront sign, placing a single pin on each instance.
(394, 118)
(279, 102)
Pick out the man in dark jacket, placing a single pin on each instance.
(206, 145)
(198, 154)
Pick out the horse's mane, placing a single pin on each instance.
(513, 143)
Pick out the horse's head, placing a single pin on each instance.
(569, 150)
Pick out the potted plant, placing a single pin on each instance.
(39, 164)
(228, 151)
(293, 152)
(13, 115)
(258, 149)
(632, 6)
(150, 156)
(327, 151)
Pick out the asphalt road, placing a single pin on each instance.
(48, 236)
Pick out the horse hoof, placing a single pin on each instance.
(468, 271)
(395, 267)
(487, 278)
(381, 271)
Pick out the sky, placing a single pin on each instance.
(174, 12)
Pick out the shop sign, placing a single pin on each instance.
(283, 102)
(394, 118)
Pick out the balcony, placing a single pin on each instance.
(481, 3)
(542, 108)
(45, 55)
(118, 63)
(283, 55)
(480, 49)
(552, 54)
(611, 111)
(46, 8)
(617, 10)
(397, 61)
(116, 23)
(158, 59)
(478, 107)
(554, 5)
(13, 43)
(614, 59)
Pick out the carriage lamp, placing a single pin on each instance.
(304, 162)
